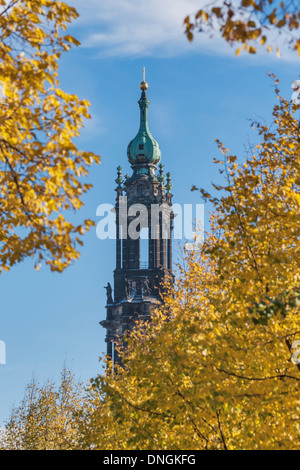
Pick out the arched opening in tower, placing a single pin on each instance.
(144, 248)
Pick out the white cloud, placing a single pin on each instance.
(140, 27)
(150, 28)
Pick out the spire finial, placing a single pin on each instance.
(169, 185)
(144, 84)
(161, 177)
(143, 149)
(119, 179)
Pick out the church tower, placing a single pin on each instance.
(144, 224)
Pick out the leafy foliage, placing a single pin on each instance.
(41, 168)
(50, 417)
(266, 309)
(249, 22)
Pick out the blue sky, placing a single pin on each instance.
(198, 92)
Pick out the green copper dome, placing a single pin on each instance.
(143, 148)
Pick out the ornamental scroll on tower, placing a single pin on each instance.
(144, 225)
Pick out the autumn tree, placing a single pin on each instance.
(249, 23)
(52, 416)
(41, 167)
(218, 367)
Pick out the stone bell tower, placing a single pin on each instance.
(144, 224)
